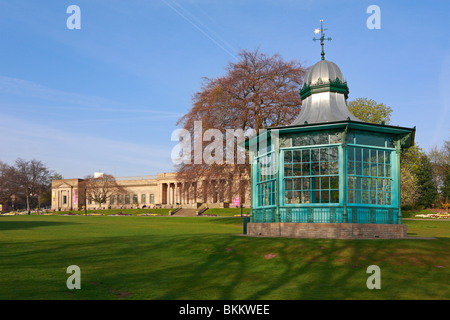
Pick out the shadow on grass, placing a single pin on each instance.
(17, 225)
(207, 266)
(212, 267)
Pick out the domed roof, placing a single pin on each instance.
(324, 71)
(324, 95)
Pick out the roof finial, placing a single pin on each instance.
(322, 37)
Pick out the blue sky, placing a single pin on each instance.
(107, 97)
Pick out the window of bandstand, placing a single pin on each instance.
(311, 176)
(368, 176)
(266, 180)
(310, 139)
(370, 139)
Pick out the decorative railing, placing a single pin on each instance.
(335, 214)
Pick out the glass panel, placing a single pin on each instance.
(389, 142)
(314, 168)
(297, 168)
(381, 170)
(370, 139)
(297, 156)
(366, 169)
(320, 138)
(358, 168)
(287, 170)
(350, 154)
(333, 152)
(380, 156)
(334, 182)
(306, 169)
(320, 175)
(350, 138)
(373, 187)
(351, 168)
(306, 197)
(350, 183)
(287, 156)
(334, 196)
(325, 197)
(351, 196)
(288, 184)
(305, 183)
(315, 182)
(335, 137)
(306, 155)
(288, 197)
(300, 141)
(324, 183)
(296, 198)
(324, 168)
(315, 155)
(366, 153)
(358, 152)
(285, 142)
(324, 154)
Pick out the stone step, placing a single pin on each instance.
(186, 213)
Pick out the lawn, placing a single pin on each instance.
(206, 258)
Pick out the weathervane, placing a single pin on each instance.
(322, 37)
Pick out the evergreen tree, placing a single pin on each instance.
(428, 192)
(445, 190)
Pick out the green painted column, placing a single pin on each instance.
(343, 181)
(343, 175)
(398, 150)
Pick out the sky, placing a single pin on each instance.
(107, 97)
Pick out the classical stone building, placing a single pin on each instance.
(163, 190)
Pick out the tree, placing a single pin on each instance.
(258, 91)
(427, 188)
(445, 173)
(445, 190)
(31, 178)
(6, 187)
(409, 187)
(410, 158)
(100, 188)
(56, 176)
(370, 111)
(437, 160)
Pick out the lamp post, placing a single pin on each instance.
(85, 200)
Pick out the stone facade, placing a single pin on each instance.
(162, 190)
(328, 230)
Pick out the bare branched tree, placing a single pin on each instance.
(31, 178)
(100, 188)
(257, 92)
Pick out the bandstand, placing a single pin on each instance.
(327, 174)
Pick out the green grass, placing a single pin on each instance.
(156, 211)
(229, 212)
(170, 258)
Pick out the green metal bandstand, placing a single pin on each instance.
(327, 166)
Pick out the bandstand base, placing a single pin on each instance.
(327, 230)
